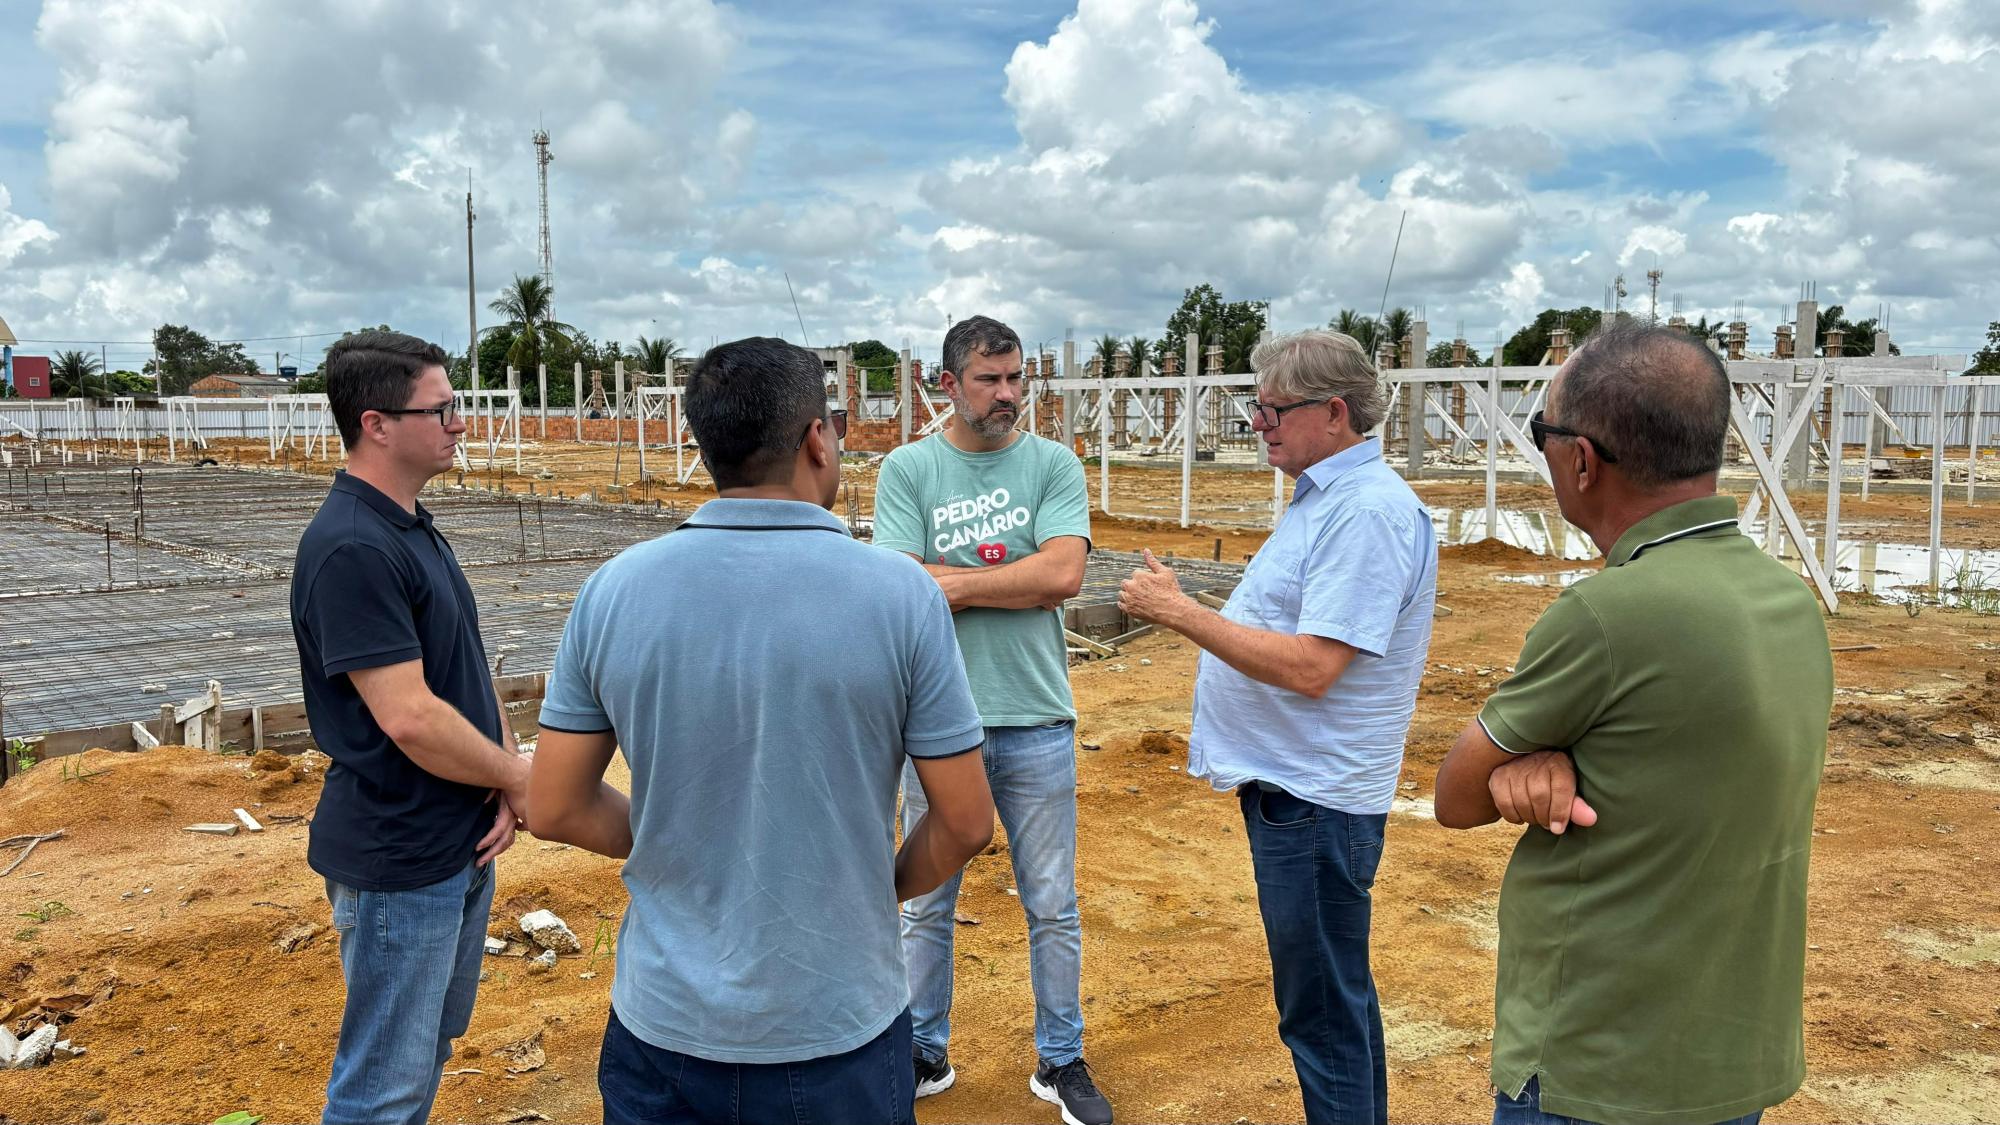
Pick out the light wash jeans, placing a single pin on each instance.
(411, 962)
(1032, 772)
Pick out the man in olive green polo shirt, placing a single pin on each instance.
(1662, 738)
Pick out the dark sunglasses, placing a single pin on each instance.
(1543, 431)
(835, 418)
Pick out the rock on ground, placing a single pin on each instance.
(548, 931)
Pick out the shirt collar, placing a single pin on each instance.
(1324, 472)
(1704, 516)
(731, 512)
(344, 481)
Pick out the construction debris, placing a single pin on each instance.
(213, 829)
(296, 937)
(542, 962)
(523, 1055)
(249, 821)
(27, 844)
(35, 1050)
(548, 931)
(495, 946)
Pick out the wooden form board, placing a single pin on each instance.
(280, 724)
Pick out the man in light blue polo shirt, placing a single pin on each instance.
(767, 677)
(1307, 683)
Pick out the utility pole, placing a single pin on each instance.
(471, 291)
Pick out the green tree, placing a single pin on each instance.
(655, 357)
(1526, 347)
(1439, 355)
(1106, 351)
(182, 357)
(1350, 323)
(1212, 320)
(1986, 361)
(1142, 353)
(877, 361)
(73, 374)
(528, 305)
(129, 383)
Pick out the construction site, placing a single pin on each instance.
(149, 685)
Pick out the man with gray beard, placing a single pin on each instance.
(1001, 519)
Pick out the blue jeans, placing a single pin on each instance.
(647, 1085)
(1527, 1110)
(411, 963)
(1032, 772)
(1314, 868)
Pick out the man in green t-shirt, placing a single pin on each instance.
(1662, 737)
(1001, 518)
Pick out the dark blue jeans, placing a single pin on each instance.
(1527, 1110)
(647, 1085)
(1314, 868)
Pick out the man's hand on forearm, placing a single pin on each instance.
(1540, 789)
(573, 804)
(1042, 580)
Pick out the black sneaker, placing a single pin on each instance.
(1070, 1088)
(933, 1077)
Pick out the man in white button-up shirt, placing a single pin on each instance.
(1307, 683)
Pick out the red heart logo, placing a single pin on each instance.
(991, 553)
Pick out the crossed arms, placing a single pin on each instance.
(1043, 580)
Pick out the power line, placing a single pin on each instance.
(211, 339)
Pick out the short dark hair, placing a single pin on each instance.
(1658, 399)
(374, 371)
(749, 401)
(977, 333)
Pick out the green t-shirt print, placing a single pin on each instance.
(944, 505)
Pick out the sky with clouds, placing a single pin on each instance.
(258, 170)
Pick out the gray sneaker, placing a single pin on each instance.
(1069, 1086)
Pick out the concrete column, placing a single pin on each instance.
(1417, 344)
(903, 399)
(542, 397)
(576, 397)
(1070, 398)
(1796, 462)
(1877, 427)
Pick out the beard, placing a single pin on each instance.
(995, 423)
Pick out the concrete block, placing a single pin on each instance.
(36, 1048)
(548, 931)
(249, 821)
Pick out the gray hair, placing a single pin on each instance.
(1317, 364)
(978, 333)
(1659, 400)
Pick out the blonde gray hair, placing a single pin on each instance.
(1318, 364)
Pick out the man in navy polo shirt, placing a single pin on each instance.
(426, 786)
(766, 677)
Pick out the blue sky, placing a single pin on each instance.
(1071, 167)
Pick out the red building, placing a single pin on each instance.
(31, 376)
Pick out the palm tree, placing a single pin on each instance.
(1142, 352)
(655, 357)
(1237, 344)
(1107, 354)
(528, 305)
(1396, 326)
(1351, 323)
(70, 374)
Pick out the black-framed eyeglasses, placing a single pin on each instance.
(835, 418)
(1271, 414)
(1543, 431)
(446, 414)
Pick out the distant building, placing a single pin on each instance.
(232, 385)
(31, 376)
